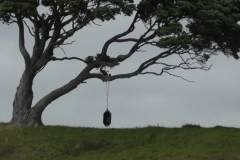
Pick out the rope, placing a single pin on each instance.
(107, 90)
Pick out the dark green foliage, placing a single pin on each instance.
(212, 24)
(162, 10)
(107, 12)
(181, 40)
(102, 9)
(173, 28)
(217, 22)
(46, 2)
(22, 7)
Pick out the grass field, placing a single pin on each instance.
(150, 143)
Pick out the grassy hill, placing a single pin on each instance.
(151, 143)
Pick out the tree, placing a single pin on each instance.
(191, 30)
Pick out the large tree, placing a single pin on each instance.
(190, 30)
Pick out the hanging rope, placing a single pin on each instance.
(107, 114)
(107, 89)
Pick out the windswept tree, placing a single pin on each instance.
(191, 30)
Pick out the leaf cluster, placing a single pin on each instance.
(20, 7)
(108, 12)
(100, 9)
(216, 23)
(212, 24)
(159, 9)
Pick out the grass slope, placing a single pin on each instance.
(151, 143)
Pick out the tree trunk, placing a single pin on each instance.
(23, 114)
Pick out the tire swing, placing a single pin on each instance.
(107, 114)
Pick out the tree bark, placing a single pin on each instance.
(23, 114)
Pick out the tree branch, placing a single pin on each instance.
(114, 77)
(134, 48)
(28, 28)
(22, 47)
(139, 43)
(134, 73)
(68, 21)
(49, 98)
(127, 40)
(41, 27)
(36, 29)
(67, 58)
(64, 44)
(113, 39)
(167, 73)
(185, 64)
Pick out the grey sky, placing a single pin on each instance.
(213, 99)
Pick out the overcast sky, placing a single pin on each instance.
(213, 99)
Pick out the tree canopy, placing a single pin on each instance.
(212, 24)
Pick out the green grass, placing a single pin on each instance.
(150, 143)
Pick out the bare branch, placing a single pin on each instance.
(127, 40)
(141, 41)
(135, 47)
(154, 73)
(69, 20)
(153, 60)
(64, 44)
(60, 42)
(68, 43)
(131, 74)
(114, 77)
(113, 39)
(96, 23)
(185, 64)
(152, 43)
(28, 28)
(67, 58)
(177, 76)
(61, 49)
(68, 34)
